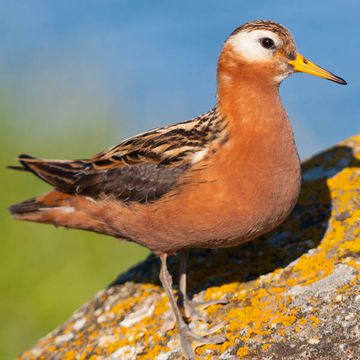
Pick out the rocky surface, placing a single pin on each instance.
(293, 294)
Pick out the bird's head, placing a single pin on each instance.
(267, 49)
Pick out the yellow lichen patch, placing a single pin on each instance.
(353, 246)
(313, 267)
(70, 355)
(243, 351)
(216, 292)
(314, 320)
(301, 322)
(355, 264)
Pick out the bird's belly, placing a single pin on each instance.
(222, 211)
(226, 216)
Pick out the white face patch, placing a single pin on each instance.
(248, 45)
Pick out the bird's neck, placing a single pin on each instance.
(259, 128)
(247, 96)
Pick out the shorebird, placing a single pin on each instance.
(218, 180)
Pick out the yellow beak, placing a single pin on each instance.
(303, 65)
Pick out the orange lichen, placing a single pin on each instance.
(314, 320)
(243, 351)
(352, 246)
(312, 268)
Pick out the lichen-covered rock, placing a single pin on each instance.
(293, 294)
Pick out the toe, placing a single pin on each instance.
(193, 310)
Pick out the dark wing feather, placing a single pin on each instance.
(141, 169)
(141, 183)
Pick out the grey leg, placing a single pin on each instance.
(187, 337)
(191, 307)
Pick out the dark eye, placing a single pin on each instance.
(267, 43)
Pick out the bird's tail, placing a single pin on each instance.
(61, 209)
(38, 208)
(25, 207)
(61, 174)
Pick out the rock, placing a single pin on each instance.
(293, 294)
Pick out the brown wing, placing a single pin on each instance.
(142, 168)
(144, 182)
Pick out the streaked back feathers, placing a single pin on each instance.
(142, 168)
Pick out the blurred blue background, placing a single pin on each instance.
(79, 76)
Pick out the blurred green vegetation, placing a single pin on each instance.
(47, 273)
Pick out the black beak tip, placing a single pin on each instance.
(341, 81)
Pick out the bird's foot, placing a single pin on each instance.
(190, 341)
(194, 310)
